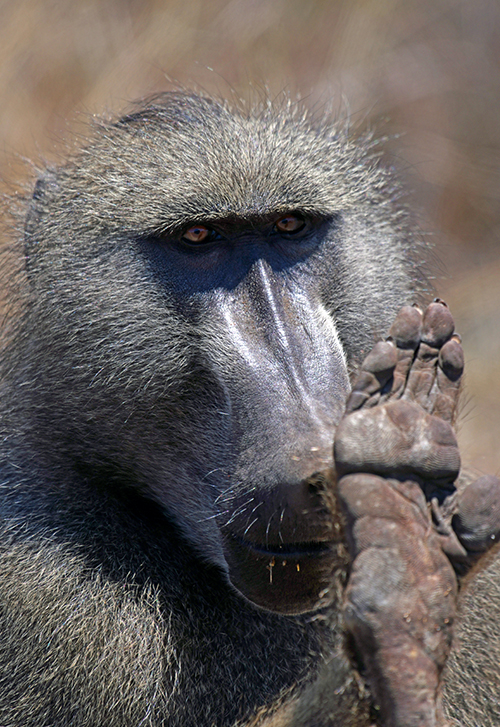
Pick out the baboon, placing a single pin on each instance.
(200, 284)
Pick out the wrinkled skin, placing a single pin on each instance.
(397, 459)
(196, 286)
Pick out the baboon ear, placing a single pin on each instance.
(46, 183)
(178, 109)
(44, 191)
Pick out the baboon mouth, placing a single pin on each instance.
(286, 558)
(287, 578)
(288, 550)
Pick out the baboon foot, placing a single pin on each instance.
(473, 513)
(396, 453)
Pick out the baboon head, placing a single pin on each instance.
(202, 281)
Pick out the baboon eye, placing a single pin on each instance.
(290, 224)
(200, 235)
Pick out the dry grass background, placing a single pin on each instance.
(424, 73)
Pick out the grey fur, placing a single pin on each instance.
(134, 425)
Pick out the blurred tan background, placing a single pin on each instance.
(424, 73)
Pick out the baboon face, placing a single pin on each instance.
(201, 280)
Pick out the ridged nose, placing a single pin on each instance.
(287, 381)
(282, 343)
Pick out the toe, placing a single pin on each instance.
(438, 324)
(422, 385)
(376, 371)
(449, 373)
(406, 329)
(477, 522)
(405, 332)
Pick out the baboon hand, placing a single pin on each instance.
(396, 453)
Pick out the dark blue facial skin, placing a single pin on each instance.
(232, 247)
(253, 292)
